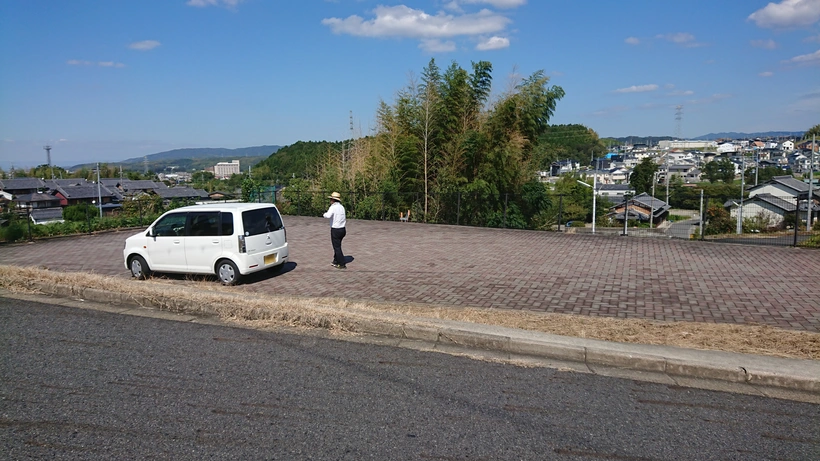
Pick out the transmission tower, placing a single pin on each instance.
(48, 156)
(678, 120)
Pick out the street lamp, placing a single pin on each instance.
(626, 212)
(593, 202)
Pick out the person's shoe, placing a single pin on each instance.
(341, 266)
(334, 265)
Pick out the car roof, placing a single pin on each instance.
(226, 206)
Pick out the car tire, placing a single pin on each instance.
(139, 268)
(227, 272)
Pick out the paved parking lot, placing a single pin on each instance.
(595, 275)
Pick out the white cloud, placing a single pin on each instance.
(632, 41)
(496, 3)
(684, 39)
(80, 62)
(402, 21)
(437, 46)
(812, 38)
(637, 89)
(765, 44)
(610, 111)
(144, 45)
(681, 93)
(680, 37)
(766, 74)
(787, 14)
(811, 58)
(711, 99)
(493, 43)
(206, 3)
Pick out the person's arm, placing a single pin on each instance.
(329, 212)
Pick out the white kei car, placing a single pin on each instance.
(225, 239)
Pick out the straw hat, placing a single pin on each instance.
(335, 196)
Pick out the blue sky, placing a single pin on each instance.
(109, 80)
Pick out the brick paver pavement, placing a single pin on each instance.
(595, 275)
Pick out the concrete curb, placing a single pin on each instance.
(759, 372)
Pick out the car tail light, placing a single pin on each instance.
(242, 248)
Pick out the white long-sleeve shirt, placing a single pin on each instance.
(336, 213)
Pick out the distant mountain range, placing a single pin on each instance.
(653, 140)
(196, 158)
(763, 135)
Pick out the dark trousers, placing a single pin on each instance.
(336, 236)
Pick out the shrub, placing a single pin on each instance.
(15, 231)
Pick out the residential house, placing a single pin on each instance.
(619, 174)
(37, 200)
(642, 208)
(562, 167)
(19, 186)
(727, 147)
(88, 193)
(787, 146)
(614, 192)
(46, 215)
(683, 171)
(776, 198)
(185, 194)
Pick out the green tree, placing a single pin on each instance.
(763, 174)
(813, 131)
(720, 170)
(643, 176)
(250, 190)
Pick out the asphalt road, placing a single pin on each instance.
(85, 384)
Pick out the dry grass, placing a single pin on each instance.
(340, 315)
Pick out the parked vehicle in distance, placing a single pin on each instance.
(226, 239)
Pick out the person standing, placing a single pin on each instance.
(336, 214)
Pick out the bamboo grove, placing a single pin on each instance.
(448, 152)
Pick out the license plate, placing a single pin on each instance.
(270, 259)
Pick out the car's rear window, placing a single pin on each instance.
(261, 221)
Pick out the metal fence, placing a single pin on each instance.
(760, 220)
(765, 219)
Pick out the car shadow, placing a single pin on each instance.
(250, 278)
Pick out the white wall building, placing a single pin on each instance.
(224, 170)
(727, 147)
(681, 144)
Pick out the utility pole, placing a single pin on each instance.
(667, 178)
(594, 193)
(701, 214)
(739, 229)
(626, 213)
(652, 213)
(99, 191)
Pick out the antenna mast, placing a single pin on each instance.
(678, 119)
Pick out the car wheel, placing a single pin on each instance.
(139, 268)
(227, 272)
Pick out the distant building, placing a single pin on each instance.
(224, 170)
(681, 144)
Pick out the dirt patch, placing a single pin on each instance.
(337, 314)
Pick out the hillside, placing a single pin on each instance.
(190, 159)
